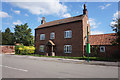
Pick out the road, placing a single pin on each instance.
(25, 67)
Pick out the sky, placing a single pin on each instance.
(100, 14)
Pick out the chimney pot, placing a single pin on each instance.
(43, 20)
(84, 6)
(85, 10)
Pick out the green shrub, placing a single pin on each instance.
(20, 49)
(17, 48)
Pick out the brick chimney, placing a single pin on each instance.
(43, 20)
(85, 10)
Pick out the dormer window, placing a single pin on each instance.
(68, 34)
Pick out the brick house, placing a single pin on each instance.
(63, 37)
(103, 45)
(66, 37)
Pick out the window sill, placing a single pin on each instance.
(102, 51)
(51, 39)
(42, 40)
(41, 52)
(67, 38)
(68, 53)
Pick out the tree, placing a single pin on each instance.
(23, 35)
(116, 28)
(7, 37)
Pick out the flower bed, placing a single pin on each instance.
(21, 49)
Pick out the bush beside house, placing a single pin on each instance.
(21, 49)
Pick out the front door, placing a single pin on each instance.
(49, 50)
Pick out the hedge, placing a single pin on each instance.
(21, 49)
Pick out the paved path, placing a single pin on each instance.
(34, 67)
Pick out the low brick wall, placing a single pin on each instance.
(7, 49)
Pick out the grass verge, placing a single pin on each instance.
(78, 58)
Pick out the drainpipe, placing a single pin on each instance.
(88, 44)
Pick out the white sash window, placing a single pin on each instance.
(68, 34)
(42, 48)
(52, 35)
(67, 48)
(42, 36)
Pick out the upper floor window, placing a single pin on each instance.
(68, 34)
(52, 35)
(67, 48)
(42, 36)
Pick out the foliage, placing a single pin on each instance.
(17, 48)
(23, 35)
(116, 28)
(7, 37)
(21, 49)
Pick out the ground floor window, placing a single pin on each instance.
(102, 48)
(42, 48)
(67, 48)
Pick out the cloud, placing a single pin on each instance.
(93, 23)
(39, 19)
(7, 23)
(96, 32)
(17, 11)
(108, 5)
(115, 16)
(105, 6)
(12, 26)
(42, 8)
(66, 15)
(113, 23)
(4, 14)
(82, 6)
(26, 15)
(18, 22)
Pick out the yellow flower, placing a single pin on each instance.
(20, 48)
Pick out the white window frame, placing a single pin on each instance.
(101, 48)
(52, 35)
(68, 34)
(42, 47)
(42, 36)
(67, 48)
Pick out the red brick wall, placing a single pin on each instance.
(109, 51)
(76, 41)
(85, 30)
(7, 49)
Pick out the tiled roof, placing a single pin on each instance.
(61, 21)
(102, 39)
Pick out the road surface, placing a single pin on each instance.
(24, 67)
